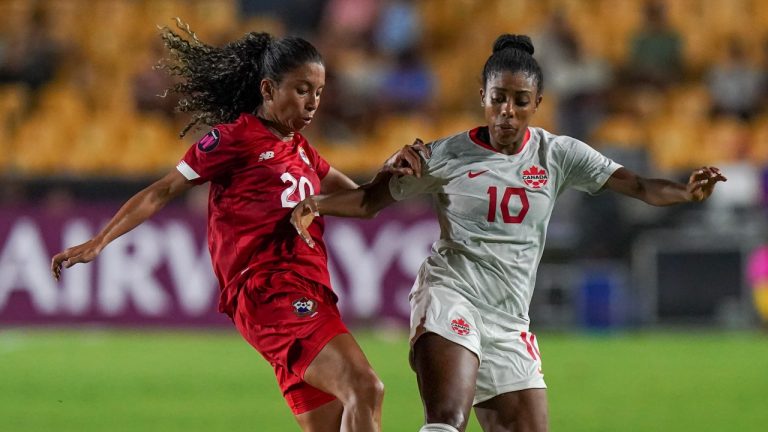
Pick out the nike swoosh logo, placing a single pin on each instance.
(473, 175)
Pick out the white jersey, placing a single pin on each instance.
(493, 211)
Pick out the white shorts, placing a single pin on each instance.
(509, 358)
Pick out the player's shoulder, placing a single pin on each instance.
(242, 127)
(245, 129)
(553, 142)
(450, 145)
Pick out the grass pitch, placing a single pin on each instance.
(77, 380)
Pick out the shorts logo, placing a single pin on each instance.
(304, 307)
(303, 156)
(209, 142)
(460, 327)
(535, 177)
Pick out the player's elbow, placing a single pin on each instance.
(369, 210)
(374, 201)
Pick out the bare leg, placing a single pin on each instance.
(446, 373)
(342, 370)
(519, 411)
(326, 418)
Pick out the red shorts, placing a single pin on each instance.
(289, 319)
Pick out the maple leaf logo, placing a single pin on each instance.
(535, 177)
(460, 327)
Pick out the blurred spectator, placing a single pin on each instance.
(30, 56)
(353, 77)
(408, 85)
(353, 70)
(656, 55)
(347, 21)
(302, 17)
(735, 85)
(578, 82)
(398, 28)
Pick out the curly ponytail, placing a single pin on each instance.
(219, 83)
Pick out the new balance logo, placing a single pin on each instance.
(471, 174)
(266, 155)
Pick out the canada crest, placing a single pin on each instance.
(304, 307)
(535, 177)
(460, 327)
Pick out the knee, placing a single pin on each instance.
(455, 417)
(365, 388)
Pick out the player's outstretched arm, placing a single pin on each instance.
(660, 192)
(365, 201)
(136, 210)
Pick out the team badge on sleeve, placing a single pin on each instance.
(460, 327)
(304, 307)
(535, 177)
(209, 142)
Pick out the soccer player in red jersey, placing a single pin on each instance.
(495, 187)
(259, 92)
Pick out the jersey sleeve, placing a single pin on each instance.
(215, 153)
(585, 168)
(407, 186)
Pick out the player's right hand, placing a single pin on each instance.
(407, 160)
(702, 181)
(301, 218)
(83, 253)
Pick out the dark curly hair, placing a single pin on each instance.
(217, 84)
(513, 53)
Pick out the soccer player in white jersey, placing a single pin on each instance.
(495, 187)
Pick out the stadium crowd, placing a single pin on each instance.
(662, 86)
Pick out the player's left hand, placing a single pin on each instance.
(701, 182)
(301, 218)
(407, 160)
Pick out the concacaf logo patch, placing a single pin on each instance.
(303, 156)
(535, 177)
(209, 142)
(304, 307)
(460, 327)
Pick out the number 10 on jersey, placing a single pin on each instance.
(509, 218)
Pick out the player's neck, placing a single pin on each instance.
(281, 132)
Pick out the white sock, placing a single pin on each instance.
(438, 427)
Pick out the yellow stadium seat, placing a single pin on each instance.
(621, 130)
(726, 140)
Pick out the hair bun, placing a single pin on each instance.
(521, 42)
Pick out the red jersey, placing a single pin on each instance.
(256, 180)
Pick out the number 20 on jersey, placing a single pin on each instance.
(302, 184)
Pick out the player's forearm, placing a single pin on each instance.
(660, 192)
(363, 202)
(136, 210)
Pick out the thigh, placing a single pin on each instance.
(446, 373)
(339, 367)
(289, 321)
(518, 411)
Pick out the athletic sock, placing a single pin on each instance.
(438, 427)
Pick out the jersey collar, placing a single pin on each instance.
(479, 134)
